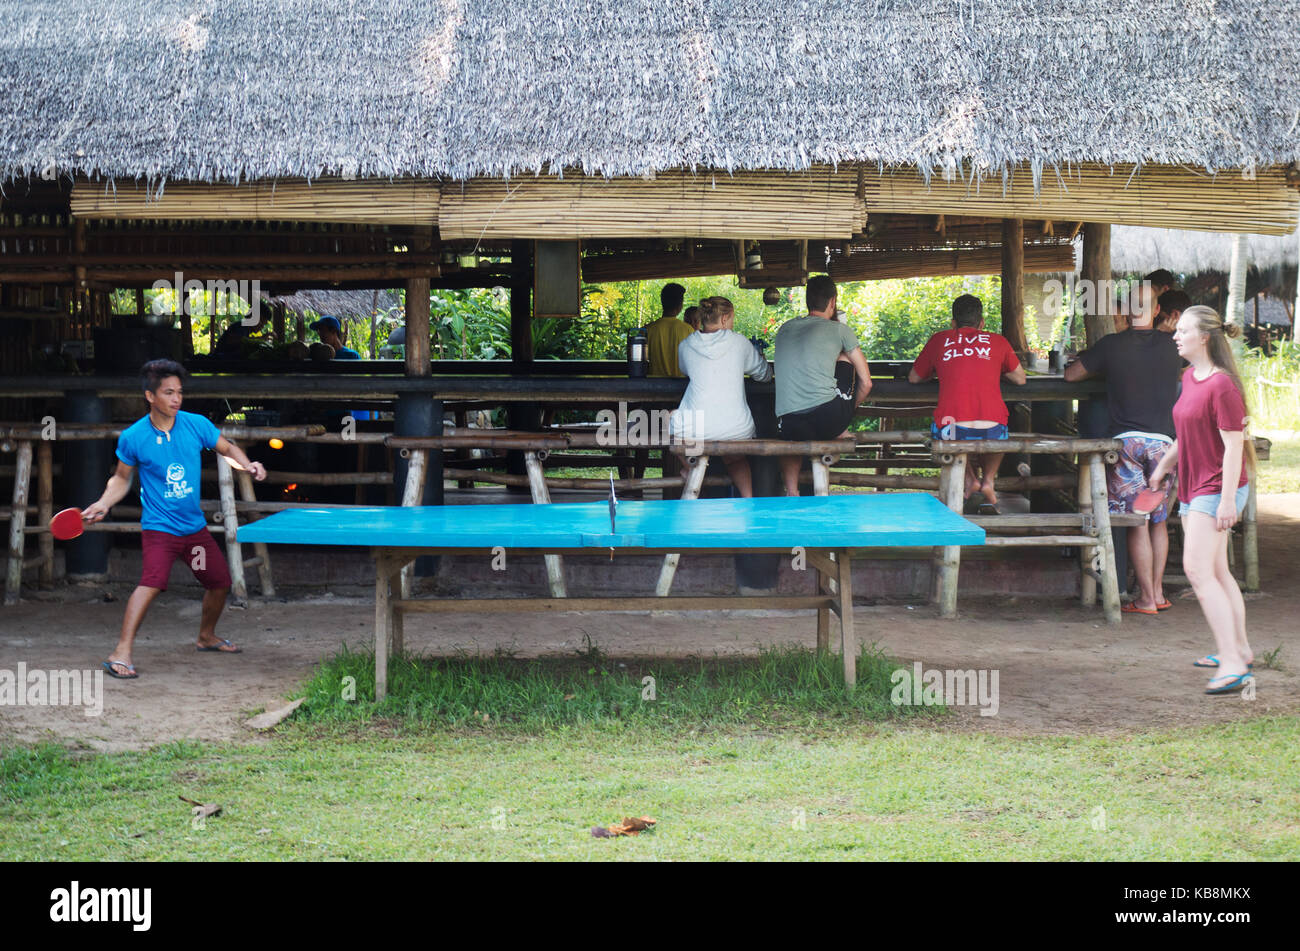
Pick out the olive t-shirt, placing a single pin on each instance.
(806, 351)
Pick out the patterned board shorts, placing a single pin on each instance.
(1138, 458)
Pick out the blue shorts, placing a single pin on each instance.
(1209, 504)
(965, 432)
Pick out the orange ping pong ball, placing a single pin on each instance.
(277, 443)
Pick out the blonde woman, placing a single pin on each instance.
(1214, 461)
(717, 359)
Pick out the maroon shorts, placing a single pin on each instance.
(199, 550)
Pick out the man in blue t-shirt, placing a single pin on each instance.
(165, 447)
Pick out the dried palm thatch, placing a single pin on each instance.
(231, 90)
(1140, 250)
(340, 304)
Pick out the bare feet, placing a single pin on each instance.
(986, 489)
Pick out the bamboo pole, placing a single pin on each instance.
(45, 508)
(230, 521)
(249, 494)
(694, 479)
(1087, 578)
(17, 522)
(950, 562)
(537, 483)
(1101, 517)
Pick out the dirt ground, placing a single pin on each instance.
(1061, 669)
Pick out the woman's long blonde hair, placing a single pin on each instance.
(712, 312)
(1218, 333)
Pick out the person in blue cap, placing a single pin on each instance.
(331, 332)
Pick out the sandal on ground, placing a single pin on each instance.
(1212, 660)
(222, 647)
(1132, 608)
(110, 664)
(1164, 605)
(1231, 683)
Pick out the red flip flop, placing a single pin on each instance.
(1164, 605)
(1132, 608)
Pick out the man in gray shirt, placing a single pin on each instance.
(816, 389)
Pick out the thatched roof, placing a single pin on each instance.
(338, 303)
(225, 90)
(1139, 250)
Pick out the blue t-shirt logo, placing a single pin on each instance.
(177, 487)
(169, 499)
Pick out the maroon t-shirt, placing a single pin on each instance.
(1205, 407)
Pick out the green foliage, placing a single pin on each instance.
(893, 319)
(1273, 386)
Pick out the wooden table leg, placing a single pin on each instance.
(1101, 518)
(229, 518)
(249, 494)
(936, 560)
(951, 558)
(1087, 583)
(848, 639)
(383, 622)
(694, 482)
(542, 496)
(823, 613)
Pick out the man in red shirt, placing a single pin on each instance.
(970, 363)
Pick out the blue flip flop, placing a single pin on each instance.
(1234, 683)
(214, 649)
(110, 664)
(1214, 662)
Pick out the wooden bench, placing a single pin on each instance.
(1089, 528)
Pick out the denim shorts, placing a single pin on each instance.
(965, 432)
(1209, 504)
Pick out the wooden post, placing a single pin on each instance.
(936, 559)
(417, 327)
(1250, 541)
(542, 496)
(1101, 518)
(1013, 284)
(248, 494)
(821, 474)
(951, 558)
(45, 507)
(226, 485)
(694, 482)
(1096, 268)
(383, 623)
(848, 638)
(521, 306)
(412, 495)
(823, 613)
(18, 522)
(1087, 583)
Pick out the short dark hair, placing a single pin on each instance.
(967, 310)
(671, 298)
(155, 371)
(1160, 277)
(820, 292)
(1171, 301)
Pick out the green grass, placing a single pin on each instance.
(881, 792)
(1281, 472)
(781, 687)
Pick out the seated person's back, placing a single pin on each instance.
(717, 359)
(665, 334)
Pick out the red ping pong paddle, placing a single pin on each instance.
(1148, 500)
(67, 524)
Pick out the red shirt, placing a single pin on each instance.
(970, 364)
(1205, 407)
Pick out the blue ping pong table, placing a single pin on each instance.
(820, 532)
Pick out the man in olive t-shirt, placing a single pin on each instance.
(663, 335)
(816, 360)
